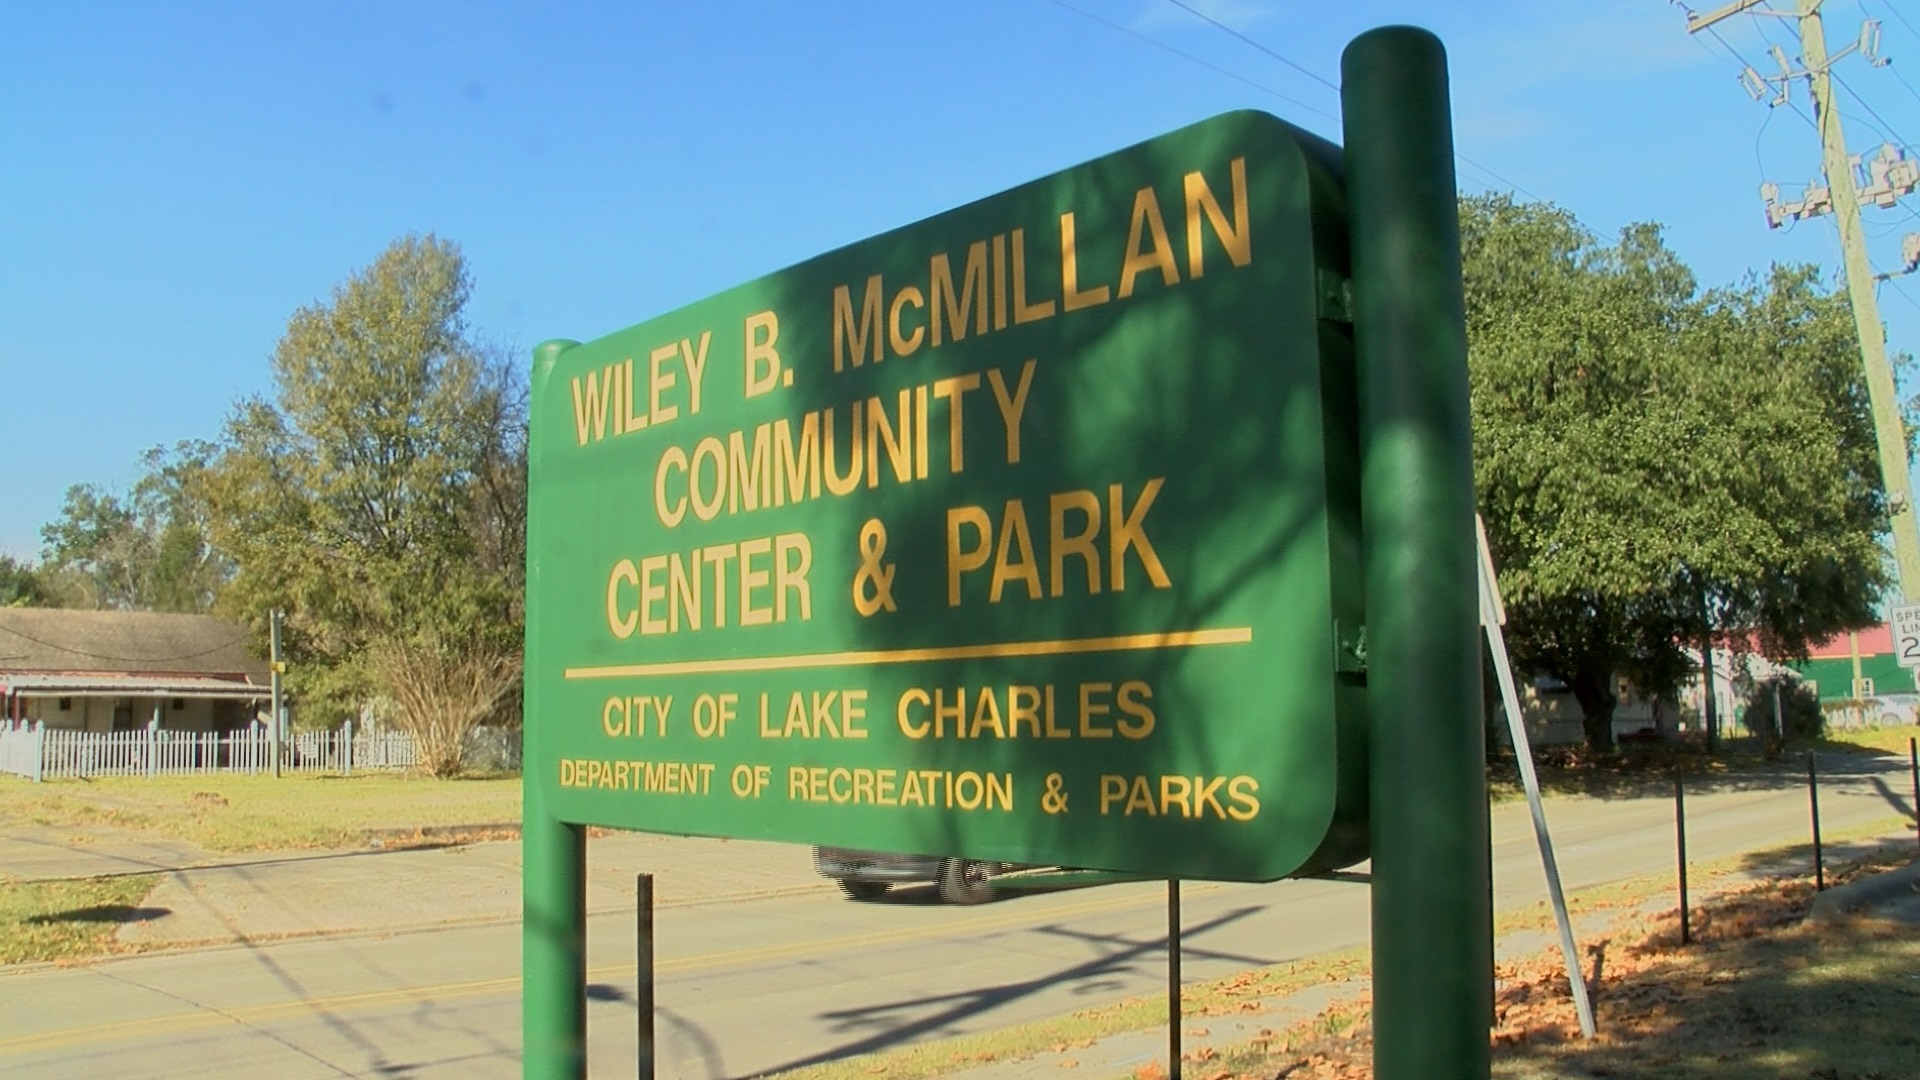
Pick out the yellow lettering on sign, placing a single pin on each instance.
(1236, 237)
(966, 790)
(972, 295)
(1024, 312)
(749, 473)
(1018, 710)
(662, 594)
(973, 540)
(659, 381)
(881, 432)
(762, 332)
(592, 403)
(1175, 795)
(648, 777)
(905, 344)
(954, 391)
(1146, 212)
(1072, 297)
(850, 339)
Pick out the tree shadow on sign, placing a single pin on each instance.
(898, 1023)
(1224, 403)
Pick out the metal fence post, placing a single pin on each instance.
(1680, 837)
(1813, 801)
(1913, 765)
(1173, 978)
(346, 747)
(643, 971)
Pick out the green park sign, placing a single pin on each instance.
(1123, 520)
(1028, 532)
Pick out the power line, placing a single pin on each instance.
(1302, 69)
(1758, 161)
(1902, 293)
(1903, 20)
(1129, 31)
(1459, 157)
(1903, 80)
(1887, 129)
(1329, 84)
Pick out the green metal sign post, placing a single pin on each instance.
(1432, 922)
(1031, 532)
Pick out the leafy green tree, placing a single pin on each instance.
(1789, 543)
(379, 496)
(146, 550)
(20, 584)
(1654, 464)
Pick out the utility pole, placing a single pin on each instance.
(273, 725)
(1889, 432)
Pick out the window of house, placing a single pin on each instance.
(178, 705)
(66, 704)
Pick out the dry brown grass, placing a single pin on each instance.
(1760, 994)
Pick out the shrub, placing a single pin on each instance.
(1800, 711)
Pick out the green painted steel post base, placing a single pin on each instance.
(553, 889)
(553, 984)
(1432, 941)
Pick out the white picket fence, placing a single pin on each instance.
(39, 752)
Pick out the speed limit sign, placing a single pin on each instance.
(1906, 635)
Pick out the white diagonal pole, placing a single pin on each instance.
(1492, 615)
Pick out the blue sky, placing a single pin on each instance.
(176, 180)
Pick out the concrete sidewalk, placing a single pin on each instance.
(211, 897)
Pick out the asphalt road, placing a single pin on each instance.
(746, 986)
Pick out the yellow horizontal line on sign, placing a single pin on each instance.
(1174, 639)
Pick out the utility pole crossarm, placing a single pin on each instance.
(1697, 23)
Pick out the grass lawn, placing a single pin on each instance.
(225, 812)
(59, 920)
(1884, 740)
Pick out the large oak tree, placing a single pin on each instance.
(1655, 463)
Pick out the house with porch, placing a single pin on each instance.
(107, 671)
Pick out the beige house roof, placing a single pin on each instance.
(171, 686)
(54, 640)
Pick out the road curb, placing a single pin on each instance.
(422, 835)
